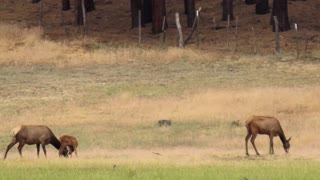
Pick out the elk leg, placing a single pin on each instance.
(71, 150)
(247, 139)
(14, 141)
(38, 149)
(271, 144)
(20, 148)
(44, 150)
(75, 151)
(252, 141)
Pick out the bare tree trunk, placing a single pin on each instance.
(250, 1)
(185, 6)
(84, 17)
(227, 6)
(280, 10)
(262, 7)
(136, 6)
(35, 1)
(40, 13)
(66, 5)
(179, 30)
(90, 6)
(190, 5)
(78, 12)
(159, 11)
(147, 11)
(276, 25)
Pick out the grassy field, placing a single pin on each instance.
(111, 98)
(100, 169)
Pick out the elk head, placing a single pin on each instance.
(286, 145)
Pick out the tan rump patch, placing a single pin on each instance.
(16, 130)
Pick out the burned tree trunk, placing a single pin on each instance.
(262, 7)
(90, 6)
(35, 1)
(147, 11)
(66, 5)
(78, 12)
(136, 6)
(227, 6)
(250, 2)
(185, 6)
(191, 12)
(280, 10)
(158, 12)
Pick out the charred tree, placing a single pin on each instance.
(250, 2)
(262, 7)
(90, 6)
(66, 5)
(147, 11)
(190, 4)
(280, 10)
(35, 1)
(158, 12)
(78, 12)
(227, 6)
(136, 6)
(185, 6)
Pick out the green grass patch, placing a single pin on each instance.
(103, 169)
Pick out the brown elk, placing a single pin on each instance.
(68, 143)
(265, 125)
(31, 134)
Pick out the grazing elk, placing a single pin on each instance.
(265, 125)
(31, 134)
(68, 143)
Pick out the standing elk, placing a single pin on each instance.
(31, 134)
(265, 125)
(68, 143)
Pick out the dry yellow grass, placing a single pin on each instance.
(26, 46)
(296, 108)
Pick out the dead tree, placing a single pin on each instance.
(90, 6)
(250, 2)
(145, 6)
(147, 11)
(35, 1)
(227, 6)
(280, 10)
(79, 15)
(66, 5)
(158, 13)
(262, 7)
(190, 11)
(136, 6)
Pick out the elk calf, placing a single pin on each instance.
(265, 125)
(70, 143)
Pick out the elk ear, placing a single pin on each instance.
(289, 139)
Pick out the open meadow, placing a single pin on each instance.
(111, 96)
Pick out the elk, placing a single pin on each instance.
(33, 134)
(68, 143)
(265, 125)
